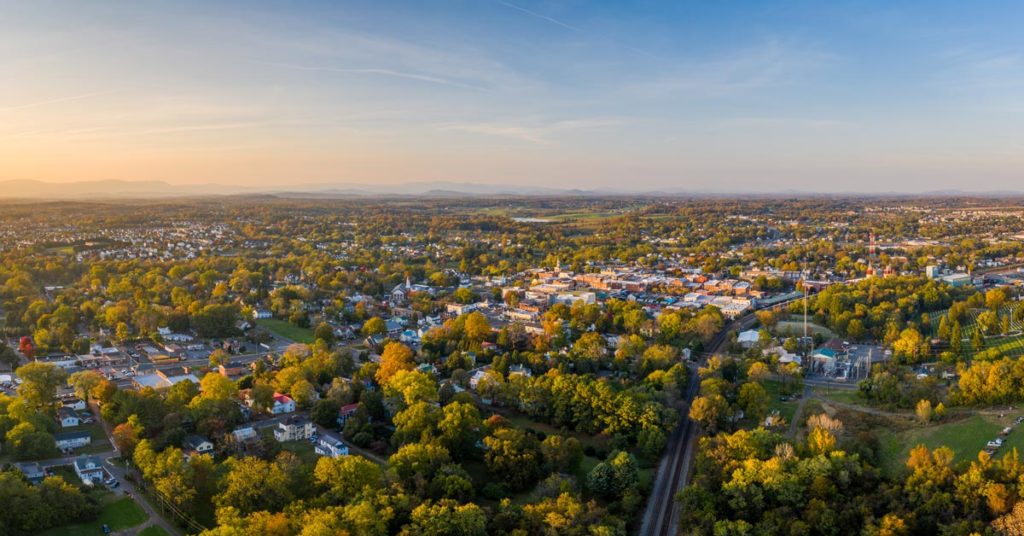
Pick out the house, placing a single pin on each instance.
(475, 379)
(67, 417)
(749, 338)
(196, 444)
(72, 440)
(261, 314)
(33, 472)
(244, 434)
(519, 370)
(331, 446)
(345, 412)
(294, 428)
(89, 469)
(232, 372)
(76, 404)
(282, 404)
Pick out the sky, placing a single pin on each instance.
(739, 96)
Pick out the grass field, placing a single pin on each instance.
(302, 449)
(786, 409)
(796, 327)
(965, 437)
(598, 443)
(153, 530)
(287, 330)
(119, 514)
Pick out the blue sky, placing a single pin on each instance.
(723, 96)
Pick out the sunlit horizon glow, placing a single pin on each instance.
(816, 96)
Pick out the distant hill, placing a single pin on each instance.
(121, 189)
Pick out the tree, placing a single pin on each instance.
(374, 326)
(910, 346)
(325, 412)
(396, 357)
(252, 484)
(477, 327)
(759, 372)
(85, 382)
(411, 386)
(26, 347)
(127, 435)
(346, 479)
(561, 455)
(709, 412)
(513, 457)
(447, 518)
(28, 443)
(324, 332)
(754, 400)
(39, 385)
(459, 428)
(924, 411)
(219, 357)
(214, 386)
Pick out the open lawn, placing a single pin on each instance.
(302, 449)
(786, 409)
(795, 327)
(966, 437)
(287, 330)
(119, 514)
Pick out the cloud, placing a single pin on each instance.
(57, 100)
(539, 16)
(378, 71)
(771, 63)
(540, 134)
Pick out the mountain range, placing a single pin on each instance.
(143, 189)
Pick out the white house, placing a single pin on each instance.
(196, 444)
(89, 469)
(295, 428)
(748, 338)
(282, 404)
(244, 434)
(474, 380)
(76, 404)
(68, 417)
(72, 440)
(331, 446)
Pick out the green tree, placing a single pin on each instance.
(39, 384)
(346, 479)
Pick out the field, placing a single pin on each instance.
(153, 530)
(965, 437)
(787, 410)
(119, 514)
(1011, 345)
(287, 330)
(796, 327)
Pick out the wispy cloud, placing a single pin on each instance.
(771, 63)
(539, 16)
(57, 100)
(540, 134)
(377, 71)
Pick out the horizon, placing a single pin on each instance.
(600, 96)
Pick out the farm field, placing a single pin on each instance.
(287, 330)
(1011, 345)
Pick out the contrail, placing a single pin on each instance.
(57, 100)
(539, 16)
(379, 72)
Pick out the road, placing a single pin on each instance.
(661, 517)
(118, 472)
